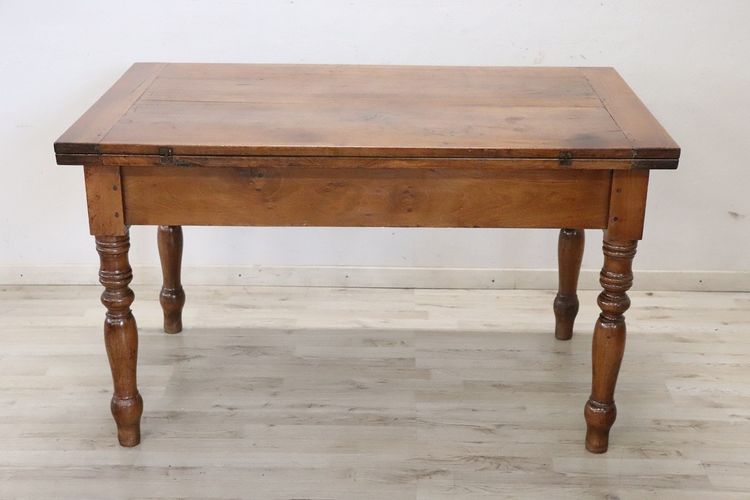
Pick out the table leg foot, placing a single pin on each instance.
(599, 419)
(120, 335)
(127, 413)
(609, 341)
(172, 296)
(569, 255)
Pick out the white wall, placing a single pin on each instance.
(687, 59)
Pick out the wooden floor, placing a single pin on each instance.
(319, 393)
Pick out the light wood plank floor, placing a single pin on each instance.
(319, 393)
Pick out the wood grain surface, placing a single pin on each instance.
(344, 393)
(104, 200)
(368, 111)
(352, 197)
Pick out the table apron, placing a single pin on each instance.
(355, 198)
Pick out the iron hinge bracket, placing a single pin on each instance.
(166, 155)
(566, 158)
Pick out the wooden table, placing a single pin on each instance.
(397, 146)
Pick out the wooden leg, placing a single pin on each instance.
(172, 296)
(120, 335)
(609, 341)
(569, 254)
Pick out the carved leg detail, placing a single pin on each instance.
(609, 341)
(569, 255)
(172, 296)
(120, 335)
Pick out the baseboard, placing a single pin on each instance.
(382, 277)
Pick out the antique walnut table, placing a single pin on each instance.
(296, 145)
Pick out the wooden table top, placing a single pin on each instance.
(368, 111)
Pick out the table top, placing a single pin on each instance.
(369, 111)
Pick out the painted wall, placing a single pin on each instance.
(687, 59)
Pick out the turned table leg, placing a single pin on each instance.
(609, 341)
(569, 255)
(172, 296)
(120, 335)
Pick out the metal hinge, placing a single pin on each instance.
(566, 158)
(166, 155)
